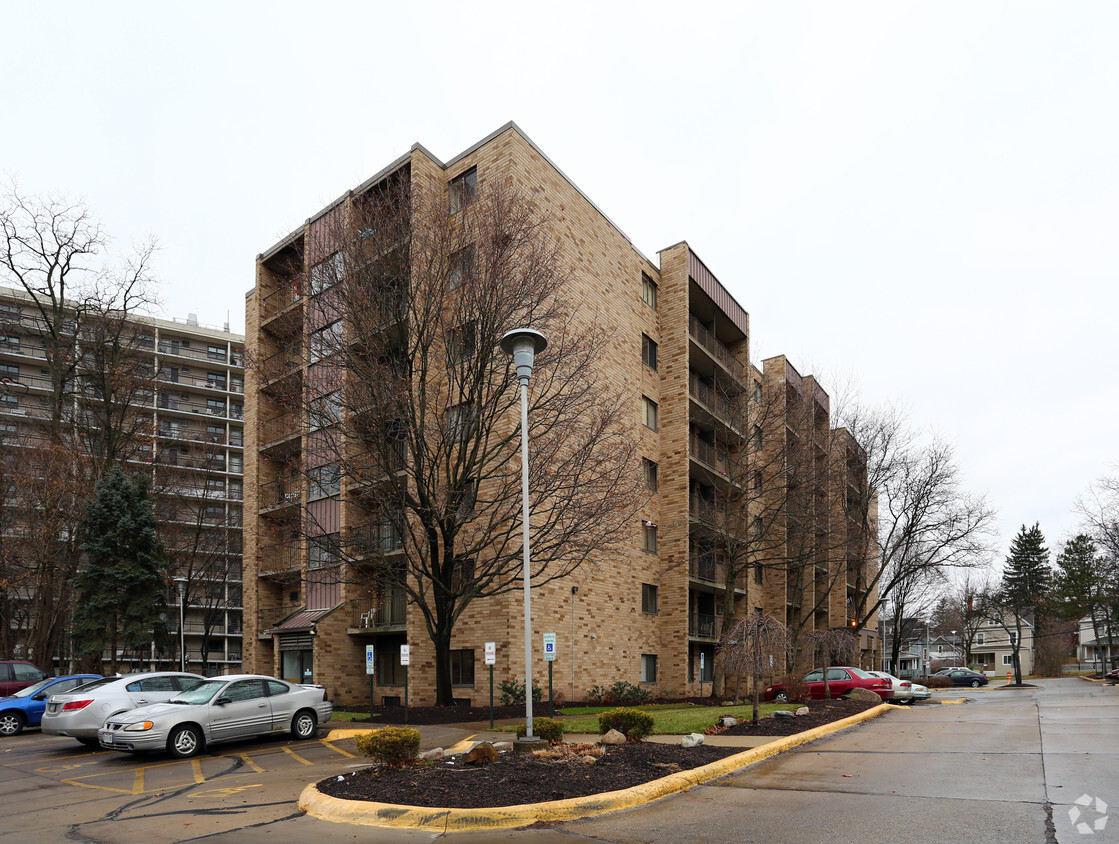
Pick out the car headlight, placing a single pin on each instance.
(139, 727)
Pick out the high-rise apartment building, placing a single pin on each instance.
(184, 422)
(739, 464)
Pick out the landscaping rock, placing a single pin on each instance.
(692, 740)
(668, 767)
(502, 746)
(587, 760)
(433, 755)
(863, 694)
(482, 754)
(728, 721)
(784, 713)
(802, 711)
(613, 737)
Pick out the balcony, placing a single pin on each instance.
(386, 612)
(280, 493)
(281, 427)
(709, 455)
(716, 349)
(217, 355)
(701, 626)
(710, 398)
(269, 617)
(279, 560)
(282, 362)
(376, 539)
(280, 299)
(168, 402)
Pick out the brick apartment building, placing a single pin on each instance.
(714, 431)
(188, 429)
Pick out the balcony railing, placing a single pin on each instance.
(718, 351)
(283, 297)
(231, 385)
(710, 455)
(282, 362)
(217, 356)
(710, 398)
(279, 559)
(701, 626)
(385, 612)
(376, 538)
(712, 570)
(167, 402)
(282, 492)
(279, 428)
(268, 617)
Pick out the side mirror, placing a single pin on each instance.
(223, 700)
(41, 696)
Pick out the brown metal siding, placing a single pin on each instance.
(719, 295)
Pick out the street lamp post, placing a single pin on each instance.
(524, 344)
(181, 583)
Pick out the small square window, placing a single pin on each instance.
(462, 268)
(1008, 659)
(649, 473)
(759, 575)
(648, 352)
(649, 598)
(649, 413)
(648, 668)
(980, 638)
(649, 537)
(648, 291)
(463, 190)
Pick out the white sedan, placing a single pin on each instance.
(901, 691)
(219, 710)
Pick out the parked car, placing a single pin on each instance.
(841, 679)
(81, 713)
(1111, 677)
(16, 674)
(901, 691)
(920, 692)
(964, 677)
(25, 707)
(218, 710)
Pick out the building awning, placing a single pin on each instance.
(299, 621)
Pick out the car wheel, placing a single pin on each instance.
(303, 725)
(184, 741)
(781, 696)
(11, 723)
(975, 684)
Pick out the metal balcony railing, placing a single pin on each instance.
(717, 350)
(709, 455)
(387, 611)
(701, 626)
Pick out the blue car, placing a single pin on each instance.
(25, 707)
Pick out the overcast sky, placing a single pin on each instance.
(924, 197)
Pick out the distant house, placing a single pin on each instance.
(1099, 654)
(992, 652)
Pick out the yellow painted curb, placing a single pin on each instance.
(367, 813)
(953, 702)
(338, 735)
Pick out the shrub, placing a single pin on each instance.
(796, 688)
(548, 729)
(620, 692)
(633, 723)
(936, 682)
(513, 692)
(394, 746)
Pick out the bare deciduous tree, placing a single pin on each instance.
(754, 647)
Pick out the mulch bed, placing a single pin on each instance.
(517, 778)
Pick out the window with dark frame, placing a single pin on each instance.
(327, 273)
(649, 473)
(649, 598)
(648, 668)
(648, 537)
(648, 291)
(462, 667)
(649, 352)
(463, 190)
(462, 342)
(649, 413)
(462, 268)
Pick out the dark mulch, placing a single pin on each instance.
(517, 778)
(422, 715)
(820, 712)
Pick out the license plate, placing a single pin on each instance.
(53, 707)
(105, 736)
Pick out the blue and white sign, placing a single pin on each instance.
(369, 659)
(549, 647)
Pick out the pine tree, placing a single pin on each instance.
(1081, 582)
(121, 593)
(1026, 582)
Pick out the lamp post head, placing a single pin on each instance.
(523, 344)
(181, 583)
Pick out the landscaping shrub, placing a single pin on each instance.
(597, 695)
(620, 692)
(394, 746)
(548, 729)
(633, 723)
(513, 692)
(795, 686)
(937, 682)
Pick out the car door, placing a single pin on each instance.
(7, 684)
(284, 702)
(151, 690)
(814, 680)
(240, 710)
(840, 681)
(38, 703)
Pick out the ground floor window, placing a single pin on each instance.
(648, 668)
(1008, 659)
(389, 670)
(296, 666)
(986, 660)
(462, 667)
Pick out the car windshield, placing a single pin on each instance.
(858, 672)
(30, 690)
(202, 693)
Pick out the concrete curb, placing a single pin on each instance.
(338, 735)
(367, 813)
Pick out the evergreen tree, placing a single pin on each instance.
(1081, 584)
(121, 593)
(1026, 582)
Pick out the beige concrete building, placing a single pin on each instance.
(189, 439)
(649, 615)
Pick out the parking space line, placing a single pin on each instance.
(348, 755)
(245, 758)
(295, 755)
(138, 782)
(196, 765)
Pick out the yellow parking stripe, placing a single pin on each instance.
(250, 763)
(295, 755)
(196, 765)
(138, 782)
(463, 746)
(326, 743)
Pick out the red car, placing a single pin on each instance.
(840, 681)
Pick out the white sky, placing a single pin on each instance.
(924, 197)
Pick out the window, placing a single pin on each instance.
(326, 410)
(244, 690)
(237, 438)
(462, 342)
(9, 342)
(463, 190)
(648, 352)
(460, 421)
(649, 598)
(10, 311)
(462, 667)
(758, 392)
(980, 638)
(1008, 659)
(8, 400)
(649, 413)
(648, 668)
(145, 341)
(462, 268)
(323, 550)
(1013, 638)
(649, 473)
(325, 481)
(648, 291)
(236, 464)
(215, 407)
(757, 436)
(759, 575)
(215, 485)
(214, 512)
(215, 380)
(326, 273)
(389, 670)
(757, 481)
(649, 537)
(469, 497)
(212, 352)
(325, 341)
(237, 411)
(9, 372)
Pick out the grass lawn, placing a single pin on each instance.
(349, 716)
(673, 720)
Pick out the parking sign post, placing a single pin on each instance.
(491, 658)
(550, 658)
(405, 659)
(370, 667)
